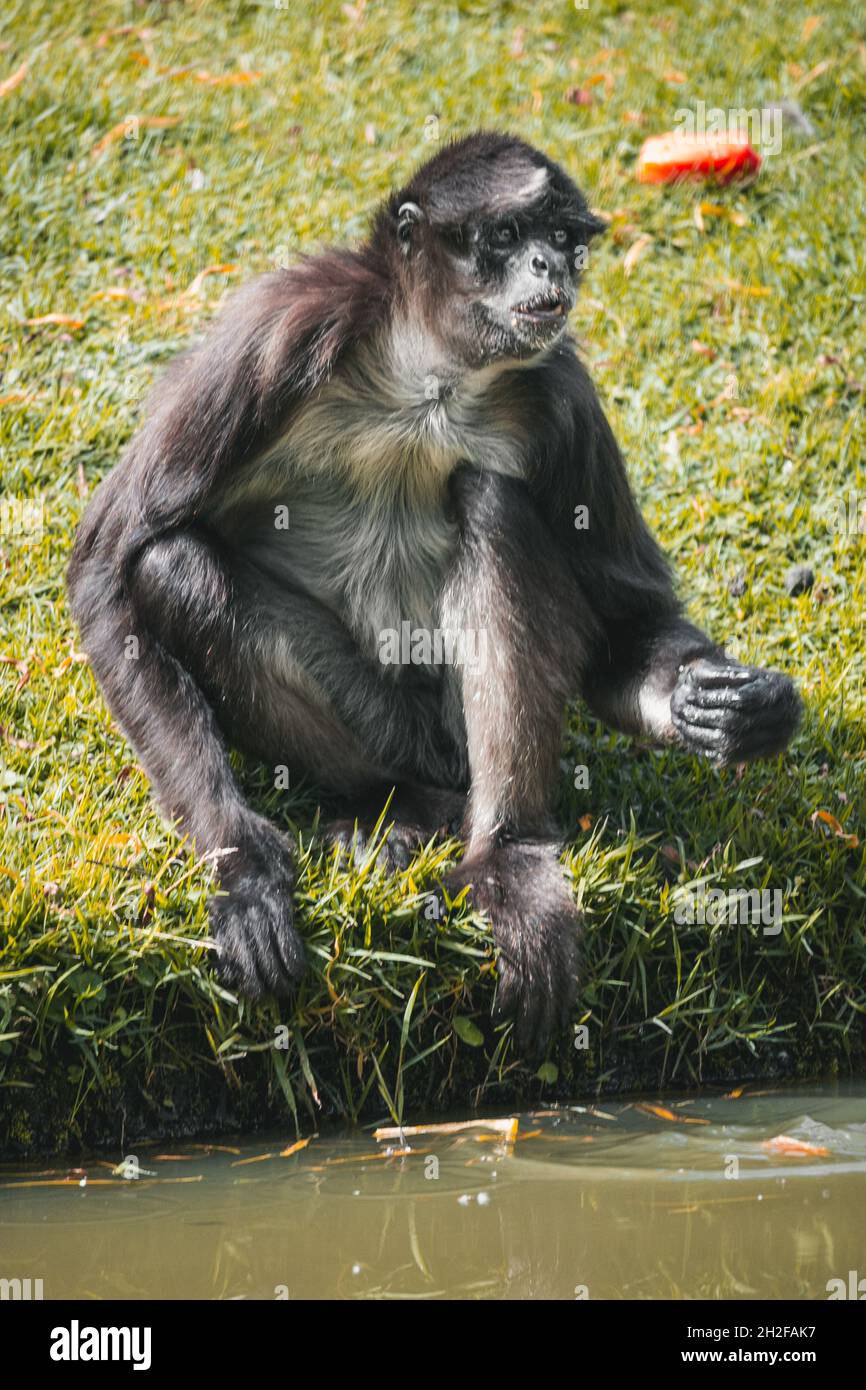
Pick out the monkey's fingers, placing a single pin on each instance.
(710, 674)
(754, 716)
(742, 696)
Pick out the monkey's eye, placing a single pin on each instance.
(559, 236)
(505, 234)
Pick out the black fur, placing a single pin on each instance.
(203, 632)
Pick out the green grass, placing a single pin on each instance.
(111, 1020)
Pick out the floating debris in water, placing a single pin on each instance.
(796, 1148)
(662, 1114)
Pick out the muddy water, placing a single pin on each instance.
(655, 1199)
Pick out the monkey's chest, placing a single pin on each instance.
(364, 483)
(379, 562)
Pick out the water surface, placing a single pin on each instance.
(655, 1199)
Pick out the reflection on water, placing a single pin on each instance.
(658, 1199)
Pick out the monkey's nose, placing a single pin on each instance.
(538, 265)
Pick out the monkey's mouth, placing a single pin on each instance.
(545, 307)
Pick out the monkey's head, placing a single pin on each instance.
(491, 236)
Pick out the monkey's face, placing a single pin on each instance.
(494, 236)
(517, 283)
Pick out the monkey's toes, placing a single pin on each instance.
(540, 1008)
(393, 849)
(523, 891)
(259, 951)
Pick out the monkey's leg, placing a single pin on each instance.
(135, 642)
(511, 584)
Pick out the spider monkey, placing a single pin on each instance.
(417, 411)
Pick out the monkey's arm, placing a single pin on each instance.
(669, 682)
(651, 672)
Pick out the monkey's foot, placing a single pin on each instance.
(393, 847)
(732, 713)
(252, 921)
(523, 890)
(414, 814)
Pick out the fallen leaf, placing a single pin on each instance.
(817, 71)
(703, 210)
(634, 253)
(14, 80)
(227, 79)
(115, 292)
(850, 840)
(753, 291)
(468, 1032)
(662, 1114)
(195, 287)
(122, 31)
(122, 128)
(605, 79)
(810, 26)
(68, 320)
(294, 1148)
(16, 743)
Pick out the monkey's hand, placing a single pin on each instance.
(522, 889)
(732, 713)
(260, 952)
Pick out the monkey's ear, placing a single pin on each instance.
(408, 214)
(593, 225)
